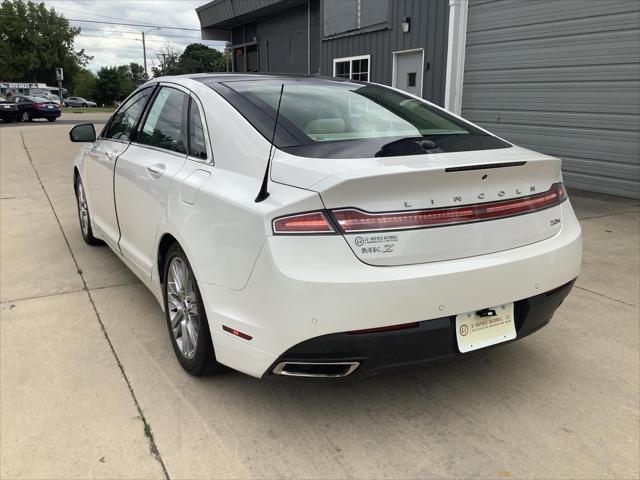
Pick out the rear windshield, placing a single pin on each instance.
(325, 118)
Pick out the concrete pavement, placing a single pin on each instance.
(89, 386)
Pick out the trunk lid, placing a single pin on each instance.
(420, 183)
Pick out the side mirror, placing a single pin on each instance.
(85, 132)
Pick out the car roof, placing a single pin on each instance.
(229, 77)
(221, 77)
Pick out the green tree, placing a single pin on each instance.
(113, 84)
(137, 74)
(168, 57)
(85, 84)
(34, 41)
(198, 58)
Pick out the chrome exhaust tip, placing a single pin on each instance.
(316, 369)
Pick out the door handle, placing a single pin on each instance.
(156, 170)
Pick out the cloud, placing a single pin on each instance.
(116, 44)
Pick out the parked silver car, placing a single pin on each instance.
(78, 102)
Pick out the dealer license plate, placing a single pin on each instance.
(493, 325)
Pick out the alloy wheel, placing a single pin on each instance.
(183, 307)
(83, 208)
(26, 117)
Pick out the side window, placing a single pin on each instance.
(126, 117)
(197, 146)
(163, 125)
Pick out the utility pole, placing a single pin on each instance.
(60, 77)
(144, 50)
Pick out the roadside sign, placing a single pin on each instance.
(59, 74)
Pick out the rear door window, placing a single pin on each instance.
(197, 144)
(164, 126)
(124, 120)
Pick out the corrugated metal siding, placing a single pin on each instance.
(561, 77)
(287, 37)
(216, 12)
(429, 27)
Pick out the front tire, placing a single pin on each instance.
(186, 316)
(51, 119)
(83, 215)
(26, 117)
(85, 105)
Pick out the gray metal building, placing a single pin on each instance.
(396, 42)
(558, 76)
(563, 77)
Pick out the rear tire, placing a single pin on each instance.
(51, 119)
(186, 316)
(83, 215)
(85, 105)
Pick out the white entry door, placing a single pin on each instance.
(408, 67)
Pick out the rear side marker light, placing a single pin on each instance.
(353, 220)
(303, 223)
(237, 333)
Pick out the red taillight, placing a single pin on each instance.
(313, 222)
(352, 220)
(38, 105)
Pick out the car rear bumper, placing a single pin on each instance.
(363, 354)
(305, 288)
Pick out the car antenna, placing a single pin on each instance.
(263, 193)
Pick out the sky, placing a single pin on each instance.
(118, 44)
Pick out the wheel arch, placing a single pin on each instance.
(76, 176)
(163, 247)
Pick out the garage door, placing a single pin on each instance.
(561, 77)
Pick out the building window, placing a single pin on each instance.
(342, 16)
(354, 68)
(245, 48)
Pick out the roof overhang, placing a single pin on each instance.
(219, 16)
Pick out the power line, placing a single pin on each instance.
(92, 14)
(121, 24)
(133, 24)
(135, 39)
(137, 33)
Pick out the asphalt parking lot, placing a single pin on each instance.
(89, 387)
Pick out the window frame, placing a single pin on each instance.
(350, 60)
(246, 43)
(184, 124)
(134, 131)
(203, 119)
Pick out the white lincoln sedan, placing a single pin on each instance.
(318, 227)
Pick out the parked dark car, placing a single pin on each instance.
(36, 107)
(78, 102)
(8, 111)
